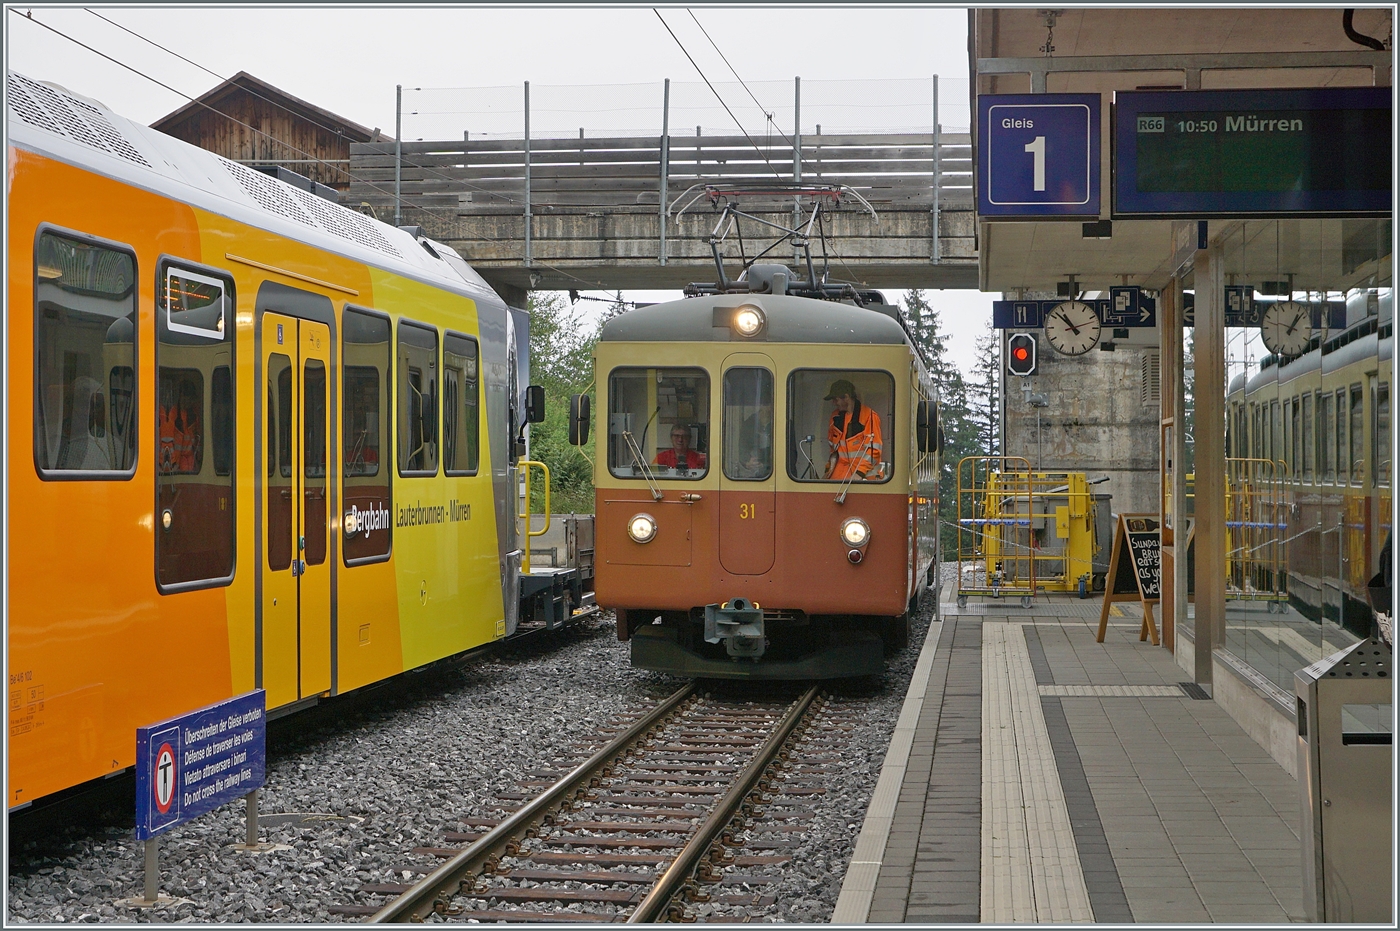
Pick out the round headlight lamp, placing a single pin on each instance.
(855, 532)
(642, 528)
(748, 320)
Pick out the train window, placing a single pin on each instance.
(461, 405)
(84, 335)
(1295, 463)
(366, 357)
(658, 422)
(837, 422)
(221, 418)
(313, 425)
(1343, 466)
(279, 461)
(1275, 436)
(1309, 446)
(747, 444)
(195, 412)
(1380, 435)
(1357, 434)
(418, 399)
(1326, 440)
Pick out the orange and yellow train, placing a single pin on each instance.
(256, 440)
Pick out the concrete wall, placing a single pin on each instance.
(1096, 422)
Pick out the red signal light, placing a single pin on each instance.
(1020, 354)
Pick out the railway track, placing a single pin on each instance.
(696, 797)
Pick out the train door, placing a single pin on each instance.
(296, 573)
(748, 477)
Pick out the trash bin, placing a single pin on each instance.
(1345, 723)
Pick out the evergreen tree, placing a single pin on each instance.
(984, 392)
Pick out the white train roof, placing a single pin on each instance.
(52, 121)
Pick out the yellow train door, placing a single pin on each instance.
(296, 572)
(748, 473)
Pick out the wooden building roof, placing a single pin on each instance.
(268, 126)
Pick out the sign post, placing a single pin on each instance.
(1135, 570)
(189, 765)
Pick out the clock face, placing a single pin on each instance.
(1072, 328)
(1286, 328)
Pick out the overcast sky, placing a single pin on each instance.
(348, 61)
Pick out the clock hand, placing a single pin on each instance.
(1296, 320)
(1074, 329)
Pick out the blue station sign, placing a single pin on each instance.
(1126, 308)
(191, 764)
(1038, 155)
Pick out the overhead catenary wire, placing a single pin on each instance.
(742, 84)
(593, 284)
(711, 86)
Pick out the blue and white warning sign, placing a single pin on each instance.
(194, 763)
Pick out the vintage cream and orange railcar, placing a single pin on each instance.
(732, 538)
(256, 440)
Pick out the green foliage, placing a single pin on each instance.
(960, 429)
(561, 360)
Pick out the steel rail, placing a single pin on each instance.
(653, 907)
(421, 900)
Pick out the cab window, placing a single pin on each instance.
(838, 421)
(658, 423)
(84, 359)
(748, 424)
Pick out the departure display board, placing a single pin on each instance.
(1255, 153)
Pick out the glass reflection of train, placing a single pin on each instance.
(1322, 419)
(739, 533)
(255, 440)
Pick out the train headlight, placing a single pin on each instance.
(642, 528)
(748, 320)
(855, 532)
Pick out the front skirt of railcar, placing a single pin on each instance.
(739, 640)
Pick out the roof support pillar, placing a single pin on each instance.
(1209, 433)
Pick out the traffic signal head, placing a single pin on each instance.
(1020, 354)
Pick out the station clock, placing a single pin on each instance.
(1072, 328)
(1286, 328)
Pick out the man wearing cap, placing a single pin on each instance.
(854, 435)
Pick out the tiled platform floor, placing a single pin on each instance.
(1039, 776)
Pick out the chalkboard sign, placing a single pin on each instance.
(1145, 543)
(1135, 569)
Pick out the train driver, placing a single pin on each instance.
(854, 435)
(680, 456)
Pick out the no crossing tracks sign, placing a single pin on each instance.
(192, 764)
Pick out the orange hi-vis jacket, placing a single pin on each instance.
(857, 445)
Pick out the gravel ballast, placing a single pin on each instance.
(378, 774)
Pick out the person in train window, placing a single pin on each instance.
(854, 435)
(189, 429)
(168, 438)
(680, 455)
